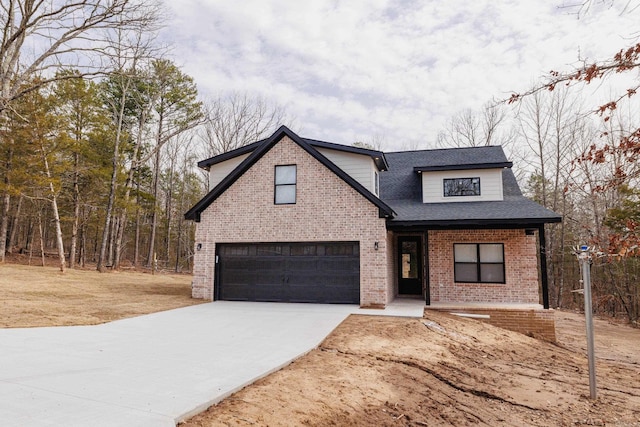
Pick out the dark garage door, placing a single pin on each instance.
(325, 272)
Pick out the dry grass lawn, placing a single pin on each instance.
(42, 296)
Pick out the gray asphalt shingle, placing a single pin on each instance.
(400, 188)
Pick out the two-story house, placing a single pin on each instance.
(292, 219)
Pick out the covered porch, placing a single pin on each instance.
(425, 266)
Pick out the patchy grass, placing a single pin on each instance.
(42, 296)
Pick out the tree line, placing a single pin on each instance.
(99, 135)
(82, 158)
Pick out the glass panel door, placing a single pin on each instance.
(410, 265)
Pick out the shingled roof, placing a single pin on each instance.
(401, 188)
(377, 156)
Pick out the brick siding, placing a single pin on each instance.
(534, 323)
(326, 209)
(521, 267)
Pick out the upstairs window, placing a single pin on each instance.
(285, 185)
(479, 262)
(455, 187)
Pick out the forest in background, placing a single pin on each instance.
(100, 133)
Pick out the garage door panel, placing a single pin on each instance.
(236, 263)
(265, 263)
(236, 292)
(321, 272)
(304, 264)
(268, 292)
(337, 281)
(339, 264)
(302, 293)
(341, 295)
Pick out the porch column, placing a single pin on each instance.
(543, 267)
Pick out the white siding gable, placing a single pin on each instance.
(220, 170)
(490, 185)
(360, 167)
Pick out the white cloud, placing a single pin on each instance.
(352, 70)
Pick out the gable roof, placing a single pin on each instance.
(259, 149)
(207, 163)
(401, 188)
(378, 157)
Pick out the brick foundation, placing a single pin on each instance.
(537, 323)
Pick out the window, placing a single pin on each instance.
(461, 187)
(336, 249)
(479, 262)
(285, 185)
(269, 250)
(410, 257)
(302, 250)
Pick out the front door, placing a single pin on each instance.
(409, 265)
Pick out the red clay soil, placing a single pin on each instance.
(443, 371)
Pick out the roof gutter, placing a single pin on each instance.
(467, 223)
(469, 166)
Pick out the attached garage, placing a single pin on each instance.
(315, 272)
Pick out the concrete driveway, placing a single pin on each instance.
(152, 370)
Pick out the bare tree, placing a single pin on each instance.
(551, 129)
(376, 142)
(237, 120)
(42, 36)
(471, 129)
(53, 194)
(59, 34)
(128, 50)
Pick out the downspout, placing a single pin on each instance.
(543, 267)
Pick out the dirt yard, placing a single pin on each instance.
(373, 371)
(42, 296)
(442, 371)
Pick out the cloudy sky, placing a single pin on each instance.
(396, 70)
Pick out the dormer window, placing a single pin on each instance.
(285, 185)
(455, 187)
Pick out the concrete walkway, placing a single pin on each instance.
(158, 369)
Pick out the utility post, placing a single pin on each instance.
(584, 257)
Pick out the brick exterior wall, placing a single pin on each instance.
(534, 323)
(521, 267)
(326, 209)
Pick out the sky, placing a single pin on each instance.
(388, 70)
